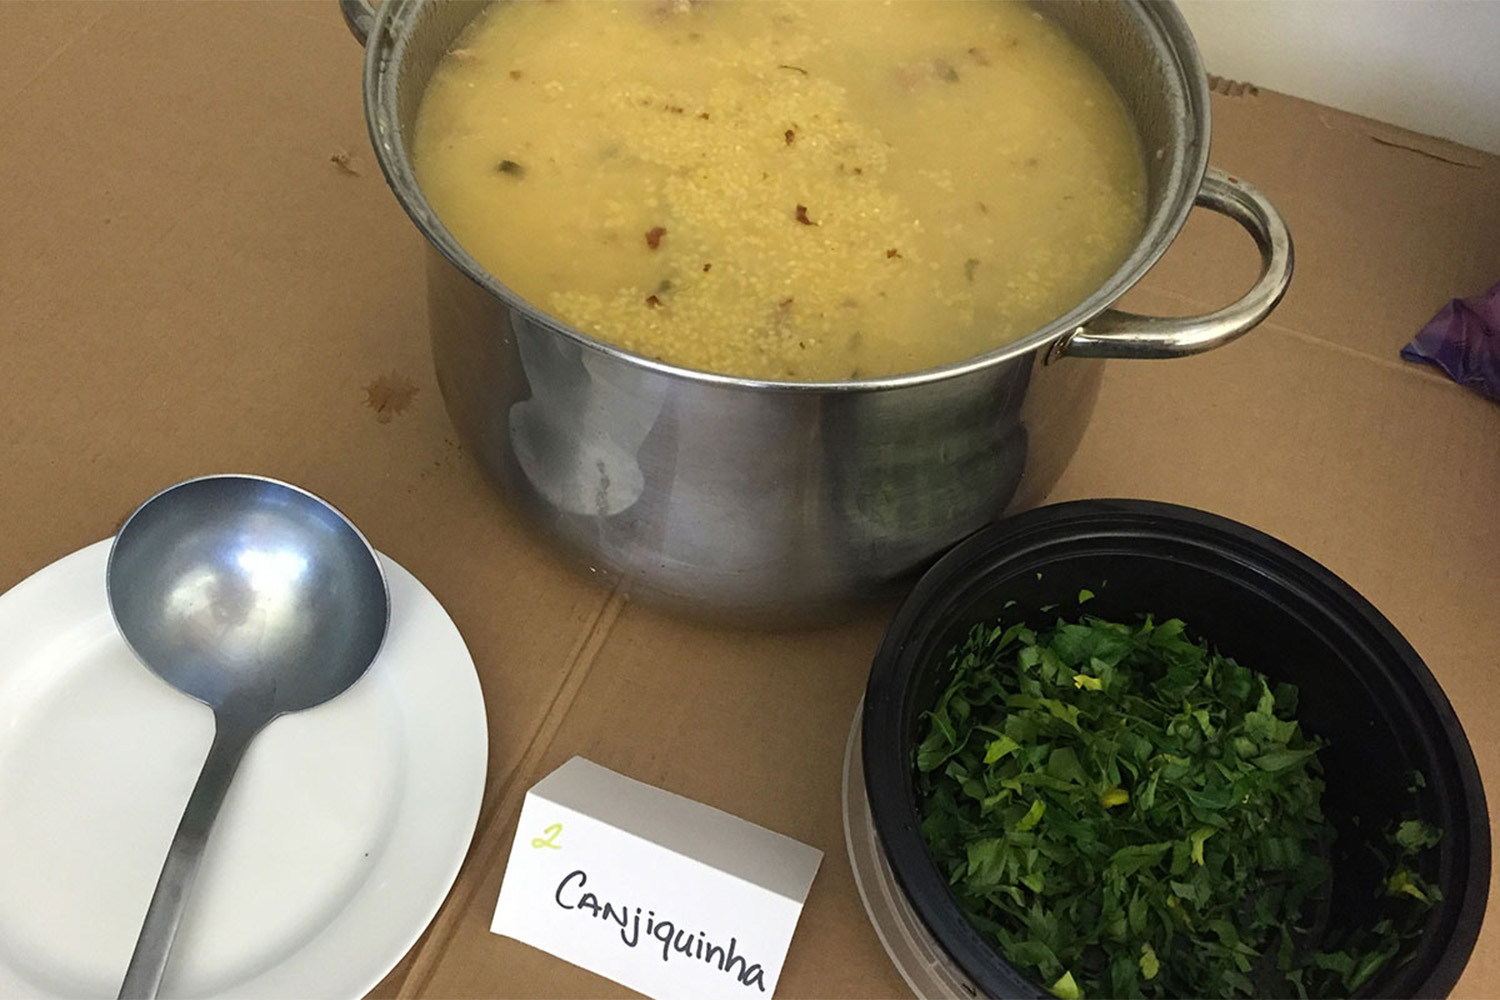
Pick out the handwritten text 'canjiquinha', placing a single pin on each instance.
(569, 896)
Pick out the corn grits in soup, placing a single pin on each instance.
(805, 191)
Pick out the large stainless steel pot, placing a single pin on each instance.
(779, 501)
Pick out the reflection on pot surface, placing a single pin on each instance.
(684, 485)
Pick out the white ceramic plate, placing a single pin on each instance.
(340, 837)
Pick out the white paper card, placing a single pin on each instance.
(665, 895)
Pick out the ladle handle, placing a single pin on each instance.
(149, 960)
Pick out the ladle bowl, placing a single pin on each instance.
(256, 598)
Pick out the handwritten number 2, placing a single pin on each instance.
(550, 840)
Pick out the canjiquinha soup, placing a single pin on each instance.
(800, 191)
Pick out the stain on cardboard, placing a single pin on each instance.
(389, 395)
(1232, 88)
(345, 161)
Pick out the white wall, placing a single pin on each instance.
(1432, 66)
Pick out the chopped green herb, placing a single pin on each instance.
(1149, 963)
(1065, 988)
(1413, 835)
(1405, 882)
(1129, 814)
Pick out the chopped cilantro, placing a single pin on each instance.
(1130, 814)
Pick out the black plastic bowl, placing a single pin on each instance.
(1363, 689)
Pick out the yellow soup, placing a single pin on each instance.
(813, 191)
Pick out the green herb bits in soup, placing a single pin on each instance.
(807, 191)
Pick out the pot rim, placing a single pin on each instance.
(1188, 97)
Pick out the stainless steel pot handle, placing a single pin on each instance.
(359, 15)
(1116, 334)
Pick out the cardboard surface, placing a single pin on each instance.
(202, 270)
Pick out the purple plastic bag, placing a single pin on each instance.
(1463, 339)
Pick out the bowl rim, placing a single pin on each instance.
(1023, 542)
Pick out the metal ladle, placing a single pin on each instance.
(256, 598)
